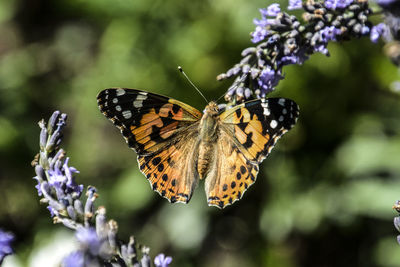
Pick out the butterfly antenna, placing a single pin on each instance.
(235, 84)
(187, 78)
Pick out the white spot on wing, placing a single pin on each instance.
(138, 104)
(281, 118)
(273, 124)
(284, 111)
(282, 101)
(118, 108)
(120, 92)
(141, 97)
(115, 100)
(264, 104)
(266, 112)
(127, 114)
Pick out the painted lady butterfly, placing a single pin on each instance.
(176, 144)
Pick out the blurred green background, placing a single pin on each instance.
(322, 198)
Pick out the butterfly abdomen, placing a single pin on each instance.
(206, 150)
(208, 138)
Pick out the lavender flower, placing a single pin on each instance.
(161, 261)
(6, 239)
(283, 40)
(56, 185)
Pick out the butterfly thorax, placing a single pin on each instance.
(207, 137)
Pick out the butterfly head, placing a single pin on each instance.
(211, 109)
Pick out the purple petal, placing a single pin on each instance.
(88, 239)
(295, 4)
(6, 239)
(271, 11)
(161, 261)
(74, 259)
(380, 30)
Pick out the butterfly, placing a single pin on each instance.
(177, 145)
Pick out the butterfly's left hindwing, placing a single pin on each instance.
(161, 131)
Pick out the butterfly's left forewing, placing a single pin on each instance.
(160, 130)
(146, 120)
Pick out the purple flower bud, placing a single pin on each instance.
(145, 261)
(248, 51)
(240, 91)
(329, 33)
(221, 107)
(246, 68)
(337, 4)
(385, 2)
(287, 60)
(43, 138)
(71, 212)
(40, 172)
(396, 222)
(53, 120)
(295, 4)
(322, 49)
(247, 93)
(45, 188)
(101, 222)
(112, 234)
(131, 250)
(161, 261)
(259, 34)
(365, 30)
(72, 187)
(78, 206)
(53, 139)
(91, 197)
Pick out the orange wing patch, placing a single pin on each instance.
(231, 174)
(172, 171)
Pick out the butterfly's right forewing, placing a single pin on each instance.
(256, 126)
(248, 132)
